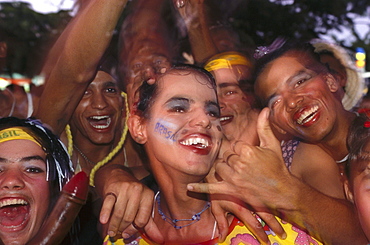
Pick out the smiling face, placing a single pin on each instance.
(99, 112)
(300, 94)
(235, 103)
(182, 132)
(360, 186)
(24, 194)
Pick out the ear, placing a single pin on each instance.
(347, 191)
(332, 82)
(137, 129)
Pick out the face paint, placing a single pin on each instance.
(164, 131)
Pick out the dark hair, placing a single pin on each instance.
(59, 166)
(148, 93)
(271, 55)
(358, 136)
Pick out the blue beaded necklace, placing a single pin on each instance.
(195, 218)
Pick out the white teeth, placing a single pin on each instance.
(99, 117)
(198, 142)
(307, 115)
(224, 118)
(101, 126)
(12, 202)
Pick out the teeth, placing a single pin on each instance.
(12, 202)
(109, 120)
(99, 117)
(224, 118)
(307, 115)
(198, 142)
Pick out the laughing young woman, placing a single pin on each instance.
(177, 121)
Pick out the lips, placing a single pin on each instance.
(306, 116)
(14, 214)
(198, 143)
(226, 119)
(100, 122)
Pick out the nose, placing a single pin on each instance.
(221, 102)
(201, 119)
(98, 101)
(148, 72)
(292, 100)
(11, 179)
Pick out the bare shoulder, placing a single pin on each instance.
(318, 169)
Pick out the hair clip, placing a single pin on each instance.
(263, 50)
(367, 124)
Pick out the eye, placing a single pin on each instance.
(231, 92)
(273, 103)
(213, 111)
(34, 170)
(87, 92)
(111, 90)
(178, 109)
(136, 66)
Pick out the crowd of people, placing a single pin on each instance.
(218, 144)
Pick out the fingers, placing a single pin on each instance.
(254, 225)
(107, 208)
(273, 223)
(222, 222)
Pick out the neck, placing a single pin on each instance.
(180, 204)
(335, 143)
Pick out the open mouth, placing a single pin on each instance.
(197, 142)
(226, 119)
(100, 122)
(307, 115)
(13, 213)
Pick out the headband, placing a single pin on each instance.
(226, 60)
(16, 134)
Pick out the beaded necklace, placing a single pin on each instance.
(195, 218)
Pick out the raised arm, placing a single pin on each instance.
(73, 60)
(195, 17)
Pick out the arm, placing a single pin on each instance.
(73, 60)
(258, 176)
(194, 15)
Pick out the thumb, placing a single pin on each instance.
(265, 134)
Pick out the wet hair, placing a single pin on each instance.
(358, 136)
(287, 46)
(59, 166)
(148, 93)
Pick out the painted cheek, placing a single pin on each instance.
(219, 128)
(165, 130)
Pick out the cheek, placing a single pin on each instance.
(165, 130)
(362, 202)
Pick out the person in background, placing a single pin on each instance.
(357, 169)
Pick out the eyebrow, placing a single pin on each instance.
(24, 159)
(110, 84)
(224, 85)
(300, 72)
(212, 103)
(179, 99)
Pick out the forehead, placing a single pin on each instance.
(232, 74)
(186, 82)
(280, 70)
(103, 79)
(20, 148)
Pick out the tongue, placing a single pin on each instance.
(13, 215)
